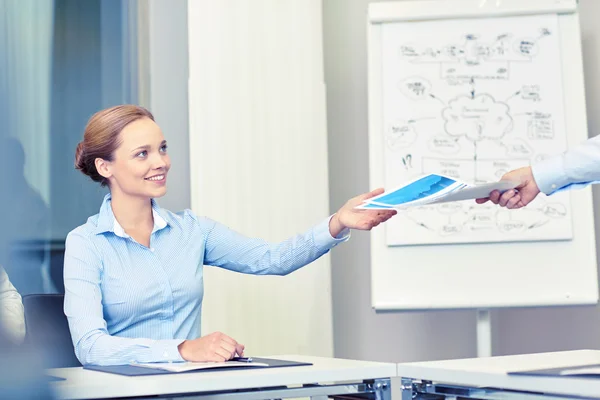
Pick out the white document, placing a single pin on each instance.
(433, 189)
(191, 366)
(477, 192)
(581, 371)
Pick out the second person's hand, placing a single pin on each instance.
(215, 347)
(523, 194)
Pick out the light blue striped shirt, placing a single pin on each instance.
(129, 303)
(576, 168)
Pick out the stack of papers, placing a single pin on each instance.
(243, 363)
(431, 189)
(192, 366)
(576, 371)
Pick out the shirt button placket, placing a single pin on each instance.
(167, 309)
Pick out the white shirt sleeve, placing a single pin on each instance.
(577, 167)
(11, 309)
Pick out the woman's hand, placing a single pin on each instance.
(216, 347)
(350, 217)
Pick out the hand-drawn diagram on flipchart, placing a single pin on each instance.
(473, 99)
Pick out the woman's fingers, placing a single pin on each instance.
(229, 348)
(239, 349)
(222, 354)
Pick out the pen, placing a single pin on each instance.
(243, 359)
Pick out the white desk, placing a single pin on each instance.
(357, 377)
(486, 378)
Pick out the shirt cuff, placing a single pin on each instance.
(323, 237)
(167, 351)
(550, 175)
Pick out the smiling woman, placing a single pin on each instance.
(134, 272)
(124, 149)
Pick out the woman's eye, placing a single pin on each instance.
(164, 148)
(142, 154)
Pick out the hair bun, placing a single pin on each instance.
(80, 159)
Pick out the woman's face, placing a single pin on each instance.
(141, 163)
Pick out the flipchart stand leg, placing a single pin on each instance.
(484, 333)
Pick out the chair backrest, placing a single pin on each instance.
(48, 330)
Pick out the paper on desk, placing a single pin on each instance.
(431, 189)
(191, 366)
(581, 371)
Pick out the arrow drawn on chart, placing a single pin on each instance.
(419, 223)
(537, 224)
(518, 92)
(412, 121)
(437, 98)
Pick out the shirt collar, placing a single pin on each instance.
(108, 223)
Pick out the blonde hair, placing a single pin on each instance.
(101, 137)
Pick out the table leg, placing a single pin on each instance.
(406, 386)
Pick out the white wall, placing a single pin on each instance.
(165, 88)
(258, 152)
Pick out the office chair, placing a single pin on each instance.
(48, 330)
(57, 261)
